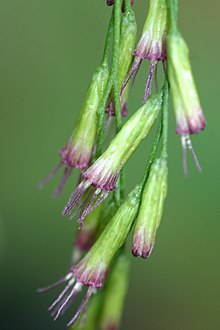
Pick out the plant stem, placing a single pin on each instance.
(108, 40)
(172, 12)
(115, 60)
(165, 119)
(152, 154)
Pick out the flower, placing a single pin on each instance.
(189, 115)
(152, 44)
(91, 271)
(102, 176)
(188, 111)
(114, 293)
(151, 209)
(78, 150)
(127, 43)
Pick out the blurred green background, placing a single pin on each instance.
(49, 50)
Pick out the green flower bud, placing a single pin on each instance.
(151, 209)
(78, 150)
(127, 43)
(189, 115)
(152, 44)
(91, 270)
(103, 174)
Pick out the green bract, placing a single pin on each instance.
(189, 116)
(92, 269)
(151, 209)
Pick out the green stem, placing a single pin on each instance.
(119, 192)
(115, 60)
(172, 12)
(108, 39)
(101, 109)
(152, 153)
(127, 5)
(165, 119)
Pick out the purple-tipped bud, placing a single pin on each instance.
(152, 44)
(92, 269)
(151, 209)
(102, 176)
(189, 115)
(188, 111)
(114, 294)
(127, 43)
(78, 151)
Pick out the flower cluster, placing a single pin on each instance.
(100, 263)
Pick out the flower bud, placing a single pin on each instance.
(114, 294)
(127, 43)
(103, 174)
(152, 43)
(151, 209)
(189, 115)
(78, 151)
(92, 269)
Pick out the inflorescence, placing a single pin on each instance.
(100, 263)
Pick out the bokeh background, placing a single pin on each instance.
(48, 52)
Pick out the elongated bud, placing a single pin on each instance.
(189, 115)
(151, 209)
(114, 294)
(102, 176)
(92, 269)
(104, 172)
(152, 44)
(127, 43)
(78, 151)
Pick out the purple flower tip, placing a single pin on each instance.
(140, 248)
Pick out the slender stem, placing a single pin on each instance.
(101, 109)
(119, 192)
(127, 5)
(152, 153)
(108, 39)
(101, 117)
(165, 119)
(115, 60)
(172, 12)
